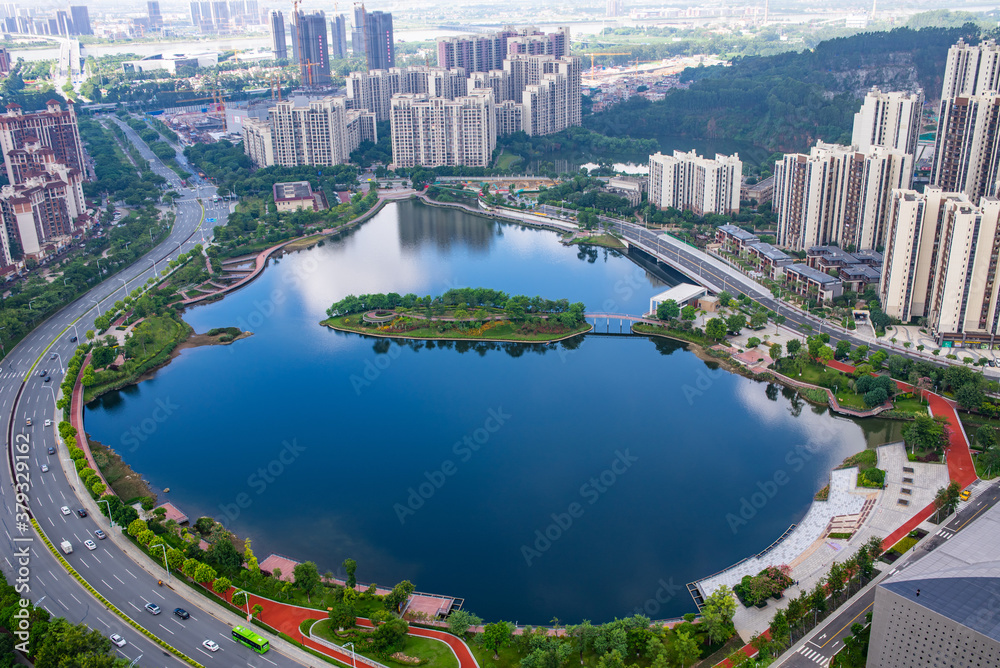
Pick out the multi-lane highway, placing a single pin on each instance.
(127, 583)
(823, 642)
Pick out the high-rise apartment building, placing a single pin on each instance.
(553, 103)
(614, 8)
(837, 195)
(689, 182)
(278, 44)
(310, 48)
(434, 131)
(358, 31)
(380, 49)
(54, 128)
(487, 51)
(4, 61)
(373, 90)
(46, 206)
(81, 20)
(338, 31)
(941, 264)
(153, 12)
(64, 24)
(890, 119)
(971, 70)
(324, 132)
(967, 146)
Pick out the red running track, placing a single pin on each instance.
(286, 618)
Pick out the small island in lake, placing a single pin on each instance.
(478, 314)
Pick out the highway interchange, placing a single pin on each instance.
(122, 580)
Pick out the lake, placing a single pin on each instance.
(572, 480)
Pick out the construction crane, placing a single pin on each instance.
(217, 98)
(605, 53)
(275, 81)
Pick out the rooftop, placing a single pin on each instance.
(738, 232)
(173, 513)
(813, 274)
(858, 271)
(770, 252)
(292, 191)
(681, 293)
(832, 253)
(959, 579)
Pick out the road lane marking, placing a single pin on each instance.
(167, 630)
(118, 578)
(134, 605)
(76, 599)
(848, 623)
(131, 573)
(95, 558)
(106, 584)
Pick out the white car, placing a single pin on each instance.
(65, 510)
(48, 423)
(210, 645)
(45, 468)
(91, 545)
(118, 640)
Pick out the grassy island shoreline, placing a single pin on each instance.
(500, 334)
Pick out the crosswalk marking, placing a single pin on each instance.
(814, 656)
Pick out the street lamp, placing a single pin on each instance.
(98, 305)
(59, 357)
(354, 659)
(135, 661)
(246, 598)
(30, 304)
(110, 518)
(165, 566)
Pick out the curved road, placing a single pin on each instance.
(108, 569)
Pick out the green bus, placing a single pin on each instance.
(247, 637)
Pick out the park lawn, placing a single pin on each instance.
(863, 460)
(851, 400)
(166, 332)
(603, 240)
(507, 160)
(914, 406)
(428, 650)
(905, 544)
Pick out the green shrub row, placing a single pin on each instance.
(110, 606)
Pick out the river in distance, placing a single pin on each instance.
(575, 480)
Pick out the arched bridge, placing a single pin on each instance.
(622, 316)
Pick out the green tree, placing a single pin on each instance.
(775, 351)
(686, 649)
(735, 323)
(716, 329)
(725, 298)
(136, 527)
(717, 614)
(793, 346)
(222, 585)
(688, 312)
(256, 610)
(342, 616)
(969, 396)
(986, 437)
(668, 310)
(843, 348)
(496, 636)
(351, 567)
(460, 620)
(389, 637)
(399, 595)
(190, 567)
(585, 633)
(758, 319)
(204, 573)
(825, 353)
(946, 499)
(67, 645)
(306, 577)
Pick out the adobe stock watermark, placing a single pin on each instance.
(666, 591)
(264, 476)
(463, 450)
(263, 309)
(140, 433)
(385, 355)
(590, 491)
(765, 490)
(703, 382)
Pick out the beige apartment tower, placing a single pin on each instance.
(890, 120)
(434, 131)
(687, 181)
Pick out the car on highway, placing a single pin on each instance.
(42, 373)
(53, 356)
(100, 534)
(182, 613)
(91, 545)
(48, 423)
(65, 510)
(72, 339)
(28, 422)
(965, 495)
(211, 645)
(81, 512)
(46, 379)
(117, 640)
(52, 450)
(45, 468)
(153, 608)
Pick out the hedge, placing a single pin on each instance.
(110, 606)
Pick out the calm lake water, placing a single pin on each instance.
(572, 480)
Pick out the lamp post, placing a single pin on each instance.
(134, 661)
(354, 659)
(97, 304)
(110, 518)
(59, 357)
(246, 598)
(165, 566)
